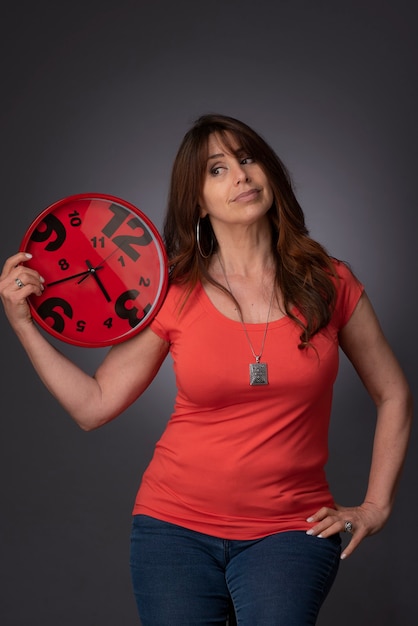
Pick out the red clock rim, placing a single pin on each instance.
(163, 267)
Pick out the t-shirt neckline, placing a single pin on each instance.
(212, 310)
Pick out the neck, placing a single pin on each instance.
(244, 254)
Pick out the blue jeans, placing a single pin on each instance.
(185, 578)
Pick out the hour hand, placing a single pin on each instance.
(92, 270)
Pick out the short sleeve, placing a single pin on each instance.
(167, 317)
(349, 291)
(158, 329)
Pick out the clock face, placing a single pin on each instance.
(105, 269)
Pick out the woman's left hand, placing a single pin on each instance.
(359, 521)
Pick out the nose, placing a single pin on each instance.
(241, 174)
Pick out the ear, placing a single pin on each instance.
(202, 211)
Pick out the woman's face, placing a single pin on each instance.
(235, 190)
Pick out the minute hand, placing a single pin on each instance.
(63, 280)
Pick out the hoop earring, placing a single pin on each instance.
(204, 256)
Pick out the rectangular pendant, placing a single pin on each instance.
(258, 374)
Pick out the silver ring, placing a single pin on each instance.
(348, 527)
(19, 283)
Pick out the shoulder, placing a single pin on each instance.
(349, 290)
(180, 300)
(180, 296)
(344, 277)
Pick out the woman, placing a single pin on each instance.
(235, 505)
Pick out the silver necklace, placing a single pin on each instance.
(258, 370)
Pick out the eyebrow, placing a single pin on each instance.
(237, 153)
(216, 156)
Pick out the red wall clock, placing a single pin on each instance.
(105, 269)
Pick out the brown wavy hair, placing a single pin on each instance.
(304, 270)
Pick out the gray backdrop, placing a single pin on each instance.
(96, 96)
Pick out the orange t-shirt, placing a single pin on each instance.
(238, 461)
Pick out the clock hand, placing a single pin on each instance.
(92, 271)
(98, 267)
(103, 261)
(63, 280)
(106, 258)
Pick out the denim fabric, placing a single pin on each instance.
(185, 578)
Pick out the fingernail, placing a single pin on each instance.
(310, 519)
(309, 532)
(28, 255)
(42, 279)
(342, 557)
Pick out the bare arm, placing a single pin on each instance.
(125, 373)
(364, 344)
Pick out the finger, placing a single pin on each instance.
(23, 282)
(14, 261)
(29, 285)
(352, 545)
(332, 528)
(326, 528)
(321, 514)
(26, 275)
(330, 521)
(18, 273)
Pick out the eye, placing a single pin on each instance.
(247, 160)
(216, 170)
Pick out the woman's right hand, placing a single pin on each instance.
(17, 283)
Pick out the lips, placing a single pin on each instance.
(248, 195)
